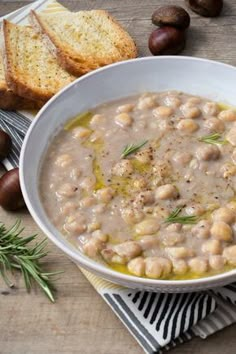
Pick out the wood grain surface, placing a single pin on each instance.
(80, 321)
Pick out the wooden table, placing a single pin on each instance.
(80, 321)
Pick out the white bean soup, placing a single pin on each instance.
(147, 185)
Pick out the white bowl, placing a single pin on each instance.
(191, 75)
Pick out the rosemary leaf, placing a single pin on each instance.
(213, 139)
(174, 217)
(16, 253)
(132, 148)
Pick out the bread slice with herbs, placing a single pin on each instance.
(31, 71)
(9, 100)
(84, 40)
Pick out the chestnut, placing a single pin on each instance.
(166, 41)
(174, 16)
(5, 144)
(207, 8)
(11, 197)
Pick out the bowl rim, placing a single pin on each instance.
(86, 262)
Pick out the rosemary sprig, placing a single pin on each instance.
(213, 139)
(174, 217)
(132, 148)
(15, 253)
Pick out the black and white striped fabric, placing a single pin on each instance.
(158, 322)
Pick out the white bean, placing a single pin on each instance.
(125, 108)
(162, 169)
(146, 103)
(162, 112)
(144, 198)
(123, 120)
(229, 115)
(96, 121)
(124, 168)
(187, 126)
(180, 252)
(105, 195)
(230, 254)
(216, 262)
(180, 267)
(172, 101)
(94, 225)
(224, 214)
(118, 259)
(75, 225)
(157, 267)
(87, 202)
(202, 229)
(160, 212)
(228, 170)
(211, 108)
(165, 126)
(99, 235)
(148, 242)
(214, 125)
(68, 208)
(95, 137)
(128, 249)
(189, 111)
(140, 183)
(81, 133)
(221, 231)
(153, 268)
(137, 266)
(63, 160)
(182, 158)
(212, 247)
(233, 156)
(99, 209)
(144, 156)
(174, 227)
(66, 190)
(111, 257)
(93, 247)
(172, 238)
(231, 136)
(195, 209)
(232, 206)
(198, 265)
(75, 173)
(147, 227)
(167, 191)
(166, 266)
(132, 215)
(193, 100)
(107, 254)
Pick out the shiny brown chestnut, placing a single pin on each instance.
(166, 41)
(5, 144)
(174, 16)
(11, 197)
(206, 8)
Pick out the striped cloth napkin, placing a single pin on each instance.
(158, 321)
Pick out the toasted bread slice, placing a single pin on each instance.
(31, 71)
(85, 40)
(9, 100)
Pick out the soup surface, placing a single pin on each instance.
(146, 185)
